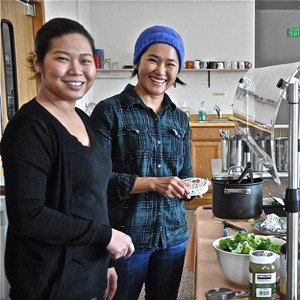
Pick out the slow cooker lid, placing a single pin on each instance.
(256, 104)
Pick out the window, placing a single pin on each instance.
(10, 70)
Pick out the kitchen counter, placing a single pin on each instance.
(212, 123)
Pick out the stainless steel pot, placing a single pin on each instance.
(237, 201)
(281, 153)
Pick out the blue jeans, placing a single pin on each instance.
(101, 298)
(160, 270)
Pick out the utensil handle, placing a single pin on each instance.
(227, 224)
(237, 191)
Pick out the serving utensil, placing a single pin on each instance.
(248, 170)
(277, 199)
(227, 224)
(223, 294)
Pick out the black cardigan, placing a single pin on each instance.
(43, 231)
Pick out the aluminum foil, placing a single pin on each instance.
(275, 224)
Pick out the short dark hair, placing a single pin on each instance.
(52, 29)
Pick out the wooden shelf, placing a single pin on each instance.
(183, 70)
(215, 70)
(114, 70)
(113, 73)
(121, 73)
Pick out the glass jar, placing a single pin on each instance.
(262, 275)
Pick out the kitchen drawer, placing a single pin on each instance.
(207, 133)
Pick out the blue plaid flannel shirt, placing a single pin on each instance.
(145, 144)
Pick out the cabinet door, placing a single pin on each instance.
(202, 154)
(205, 146)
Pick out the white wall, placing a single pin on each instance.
(211, 30)
(74, 9)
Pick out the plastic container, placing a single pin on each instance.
(202, 112)
(262, 275)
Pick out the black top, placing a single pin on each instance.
(56, 205)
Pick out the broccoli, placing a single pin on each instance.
(244, 243)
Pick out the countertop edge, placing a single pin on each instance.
(212, 124)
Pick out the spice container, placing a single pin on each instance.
(283, 273)
(262, 275)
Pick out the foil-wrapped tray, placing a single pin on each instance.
(271, 224)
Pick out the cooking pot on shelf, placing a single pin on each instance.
(237, 198)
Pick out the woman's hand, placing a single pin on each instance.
(171, 187)
(120, 245)
(112, 279)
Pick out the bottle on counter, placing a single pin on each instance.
(262, 275)
(202, 112)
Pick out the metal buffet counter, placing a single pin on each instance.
(201, 257)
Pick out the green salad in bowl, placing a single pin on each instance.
(233, 254)
(244, 243)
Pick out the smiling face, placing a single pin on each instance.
(68, 70)
(157, 70)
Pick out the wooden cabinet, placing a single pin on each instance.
(205, 146)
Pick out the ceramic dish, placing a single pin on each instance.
(198, 186)
(257, 225)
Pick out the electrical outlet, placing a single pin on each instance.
(30, 9)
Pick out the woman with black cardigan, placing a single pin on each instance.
(59, 240)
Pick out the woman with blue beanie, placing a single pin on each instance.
(148, 139)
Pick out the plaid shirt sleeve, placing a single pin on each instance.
(120, 184)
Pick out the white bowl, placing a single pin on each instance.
(235, 267)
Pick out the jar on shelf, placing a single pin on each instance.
(107, 63)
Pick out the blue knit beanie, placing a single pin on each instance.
(159, 34)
